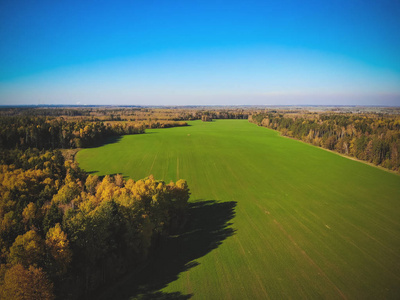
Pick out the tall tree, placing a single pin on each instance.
(26, 284)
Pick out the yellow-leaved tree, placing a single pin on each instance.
(57, 246)
(26, 284)
(28, 249)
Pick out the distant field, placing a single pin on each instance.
(271, 217)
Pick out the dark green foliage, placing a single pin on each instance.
(49, 133)
(53, 216)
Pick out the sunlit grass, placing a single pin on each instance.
(307, 223)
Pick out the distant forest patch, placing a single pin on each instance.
(372, 137)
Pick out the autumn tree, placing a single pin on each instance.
(28, 249)
(57, 245)
(26, 284)
(91, 183)
(52, 215)
(30, 215)
(119, 180)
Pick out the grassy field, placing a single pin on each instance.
(270, 217)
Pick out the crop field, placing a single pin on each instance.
(270, 217)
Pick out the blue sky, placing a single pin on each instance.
(200, 52)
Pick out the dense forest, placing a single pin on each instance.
(50, 133)
(374, 138)
(44, 133)
(64, 233)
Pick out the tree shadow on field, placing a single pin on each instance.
(91, 172)
(207, 227)
(104, 141)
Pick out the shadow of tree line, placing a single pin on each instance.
(207, 227)
(104, 141)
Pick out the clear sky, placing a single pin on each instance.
(186, 52)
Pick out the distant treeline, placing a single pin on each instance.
(164, 124)
(214, 114)
(50, 133)
(93, 113)
(370, 137)
(41, 111)
(63, 233)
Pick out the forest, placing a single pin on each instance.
(370, 137)
(43, 133)
(64, 233)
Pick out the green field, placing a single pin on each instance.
(270, 217)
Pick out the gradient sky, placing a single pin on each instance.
(184, 52)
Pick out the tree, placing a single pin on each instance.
(91, 184)
(105, 190)
(29, 214)
(57, 246)
(67, 193)
(26, 284)
(119, 180)
(52, 216)
(330, 143)
(28, 249)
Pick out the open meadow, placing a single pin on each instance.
(270, 217)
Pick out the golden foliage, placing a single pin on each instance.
(29, 213)
(26, 284)
(58, 247)
(27, 249)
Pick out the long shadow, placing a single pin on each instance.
(104, 141)
(188, 125)
(208, 226)
(91, 172)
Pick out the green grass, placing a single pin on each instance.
(299, 222)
